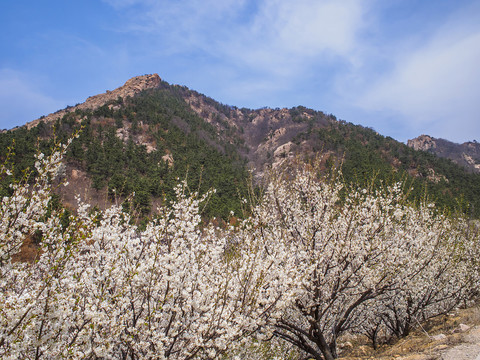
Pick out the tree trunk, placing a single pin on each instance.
(324, 347)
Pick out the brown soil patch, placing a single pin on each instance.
(421, 344)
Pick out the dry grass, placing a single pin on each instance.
(29, 251)
(419, 345)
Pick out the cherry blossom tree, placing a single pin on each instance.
(312, 262)
(102, 288)
(440, 274)
(27, 290)
(360, 255)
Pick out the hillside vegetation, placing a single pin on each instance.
(142, 147)
(309, 266)
(143, 143)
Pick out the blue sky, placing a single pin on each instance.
(402, 67)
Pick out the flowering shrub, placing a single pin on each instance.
(22, 212)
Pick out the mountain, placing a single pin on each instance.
(466, 154)
(131, 88)
(145, 136)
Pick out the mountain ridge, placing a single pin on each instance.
(144, 135)
(131, 87)
(466, 154)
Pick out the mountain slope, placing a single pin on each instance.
(144, 136)
(271, 136)
(466, 154)
(143, 144)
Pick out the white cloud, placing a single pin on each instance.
(432, 87)
(276, 36)
(284, 38)
(431, 79)
(309, 27)
(177, 21)
(21, 101)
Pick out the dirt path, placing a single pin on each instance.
(455, 336)
(468, 350)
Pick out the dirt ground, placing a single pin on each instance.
(451, 337)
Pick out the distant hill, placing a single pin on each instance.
(144, 136)
(466, 154)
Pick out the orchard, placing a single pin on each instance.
(312, 262)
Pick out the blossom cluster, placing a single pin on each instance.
(368, 261)
(311, 263)
(101, 288)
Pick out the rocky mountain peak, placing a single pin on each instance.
(423, 142)
(130, 88)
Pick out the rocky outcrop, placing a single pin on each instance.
(466, 154)
(130, 88)
(423, 142)
(471, 161)
(265, 137)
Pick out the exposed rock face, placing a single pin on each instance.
(472, 162)
(434, 177)
(265, 137)
(168, 158)
(423, 142)
(283, 150)
(466, 154)
(130, 88)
